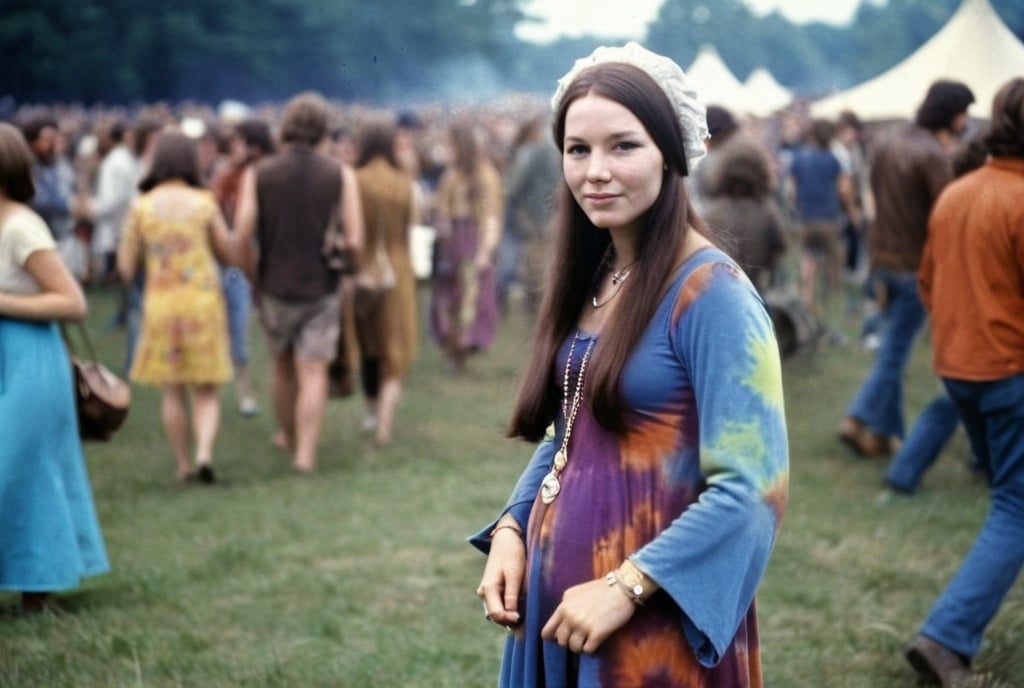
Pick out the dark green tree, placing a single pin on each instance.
(124, 51)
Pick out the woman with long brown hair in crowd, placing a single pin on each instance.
(183, 345)
(631, 548)
(464, 310)
(385, 282)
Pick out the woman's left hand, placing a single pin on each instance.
(588, 614)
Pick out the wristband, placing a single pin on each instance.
(509, 526)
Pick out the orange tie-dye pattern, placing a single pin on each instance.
(776, 494)
(692, 288)
(653, 659)
(648, 442)
(613, 547)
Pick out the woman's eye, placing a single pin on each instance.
(626, 145)
(577, 149)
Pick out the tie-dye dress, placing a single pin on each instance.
(693, 494)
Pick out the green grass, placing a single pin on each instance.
(360, 575)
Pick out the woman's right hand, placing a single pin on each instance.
(503, 577)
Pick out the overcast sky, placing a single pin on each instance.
(629, 19)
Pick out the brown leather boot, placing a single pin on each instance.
(937, 662)
(879, 445)
(851, 430)
(855, 435)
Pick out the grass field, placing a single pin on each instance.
(360, 576)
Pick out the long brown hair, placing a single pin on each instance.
(1005, 136)
(15, 165)
(578, 252)
(467, 158)
(377, 140)
(174, 157)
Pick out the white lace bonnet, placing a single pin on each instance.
(668, 75)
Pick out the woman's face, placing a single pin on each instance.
(611, 164)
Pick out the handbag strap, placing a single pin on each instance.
(83, 334)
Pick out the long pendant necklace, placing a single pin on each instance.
(551, 485)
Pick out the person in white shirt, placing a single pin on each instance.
(51, 537)
(115, 189)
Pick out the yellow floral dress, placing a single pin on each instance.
(184, 333)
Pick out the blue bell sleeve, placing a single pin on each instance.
(712, 557)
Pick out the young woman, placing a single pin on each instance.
(50, 538)
(183, 347)
(385, 316)
(631, 548)
(464, 303)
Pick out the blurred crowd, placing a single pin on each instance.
(90, 159)
(790, 196)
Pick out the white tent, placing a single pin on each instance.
(716, 85)
(771, 94)
(974, 47)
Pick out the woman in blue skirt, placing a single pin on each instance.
(49, 533)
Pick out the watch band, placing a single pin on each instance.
(635, 591)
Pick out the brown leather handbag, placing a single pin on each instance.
(101, 397)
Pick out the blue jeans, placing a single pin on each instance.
(510, 251)
(879, 401)
(993, 415)
(133, 318)
(238, 301)
(932, 429)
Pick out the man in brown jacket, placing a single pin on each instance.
(908, 170)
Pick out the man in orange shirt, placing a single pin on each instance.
(970, 279)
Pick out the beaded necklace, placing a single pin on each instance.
(551, 486)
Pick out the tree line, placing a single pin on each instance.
(394, 51)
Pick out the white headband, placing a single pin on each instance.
(668, 75)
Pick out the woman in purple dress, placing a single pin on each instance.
(464, 305)
(631, 548)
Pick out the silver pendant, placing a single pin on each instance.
(550, 488)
